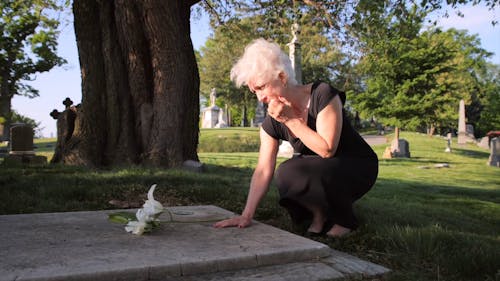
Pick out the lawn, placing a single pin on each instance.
(423, 222)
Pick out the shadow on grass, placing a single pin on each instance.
(471, 153)
(410, 161)
(447, 230)
(413, 188)
(55, 188)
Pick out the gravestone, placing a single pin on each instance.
(286, 149)
(21, 140)
(65, 127)
(469, 130)
(494, 159)
(448, 143)
(465, 131)
(21, 146)
(400, 148)
(193, 166)
(294, 52)
(484, 143)
(461, 123)
(260, 114)
(222, 119)
(210, 115)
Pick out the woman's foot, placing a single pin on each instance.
(317, 224)
(338, 231)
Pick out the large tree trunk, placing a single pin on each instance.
(140, 84)
(6, 113)
(5, 103)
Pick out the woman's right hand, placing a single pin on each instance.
(239, 221)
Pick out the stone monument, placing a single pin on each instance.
(222, 120)
(465, 132)
(21, 140)
(65, 127)
(286, 149)
(400, 148)
(494, 159)
(448, 143)
(260, 114)
(294, 52)
(210, 115)
(484, 143)
(21, 146)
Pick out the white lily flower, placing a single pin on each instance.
(136, 227)
(152, 207)
(142, 216)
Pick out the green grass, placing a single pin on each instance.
(229, 140)
(424, 223)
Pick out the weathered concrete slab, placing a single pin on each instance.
(86, 246)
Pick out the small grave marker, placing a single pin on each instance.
(494, 159)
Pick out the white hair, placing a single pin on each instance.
(262, 62)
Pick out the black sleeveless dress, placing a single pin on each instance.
(331, 183)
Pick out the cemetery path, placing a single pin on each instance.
(375, 139)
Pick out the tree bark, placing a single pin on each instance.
(5, 112)
(6, 102)
(140, 84)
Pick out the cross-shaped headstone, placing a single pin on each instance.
(55, 114)
(67, 102)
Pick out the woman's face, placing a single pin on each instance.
(267, 91)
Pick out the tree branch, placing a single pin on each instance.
(322, 8)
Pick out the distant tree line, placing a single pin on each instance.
(392, 67)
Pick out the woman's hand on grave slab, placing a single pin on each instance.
(239, 221)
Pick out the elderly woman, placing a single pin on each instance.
(332, 165)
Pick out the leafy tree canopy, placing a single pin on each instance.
(28, 43)
(417, 82)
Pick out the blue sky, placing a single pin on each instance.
(62, 82)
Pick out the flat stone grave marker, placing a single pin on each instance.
(86, 246)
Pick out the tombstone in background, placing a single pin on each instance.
(21, 146)
(494, 159)
(260, 114)
(222, 119)
(65, 127)
(294, 52)
(448, 143)
(469, 130)
(400, 148)
(210, 115)
(461, 123)
(286, 149)
(465, 132)
(484, 143)
(21, 139)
